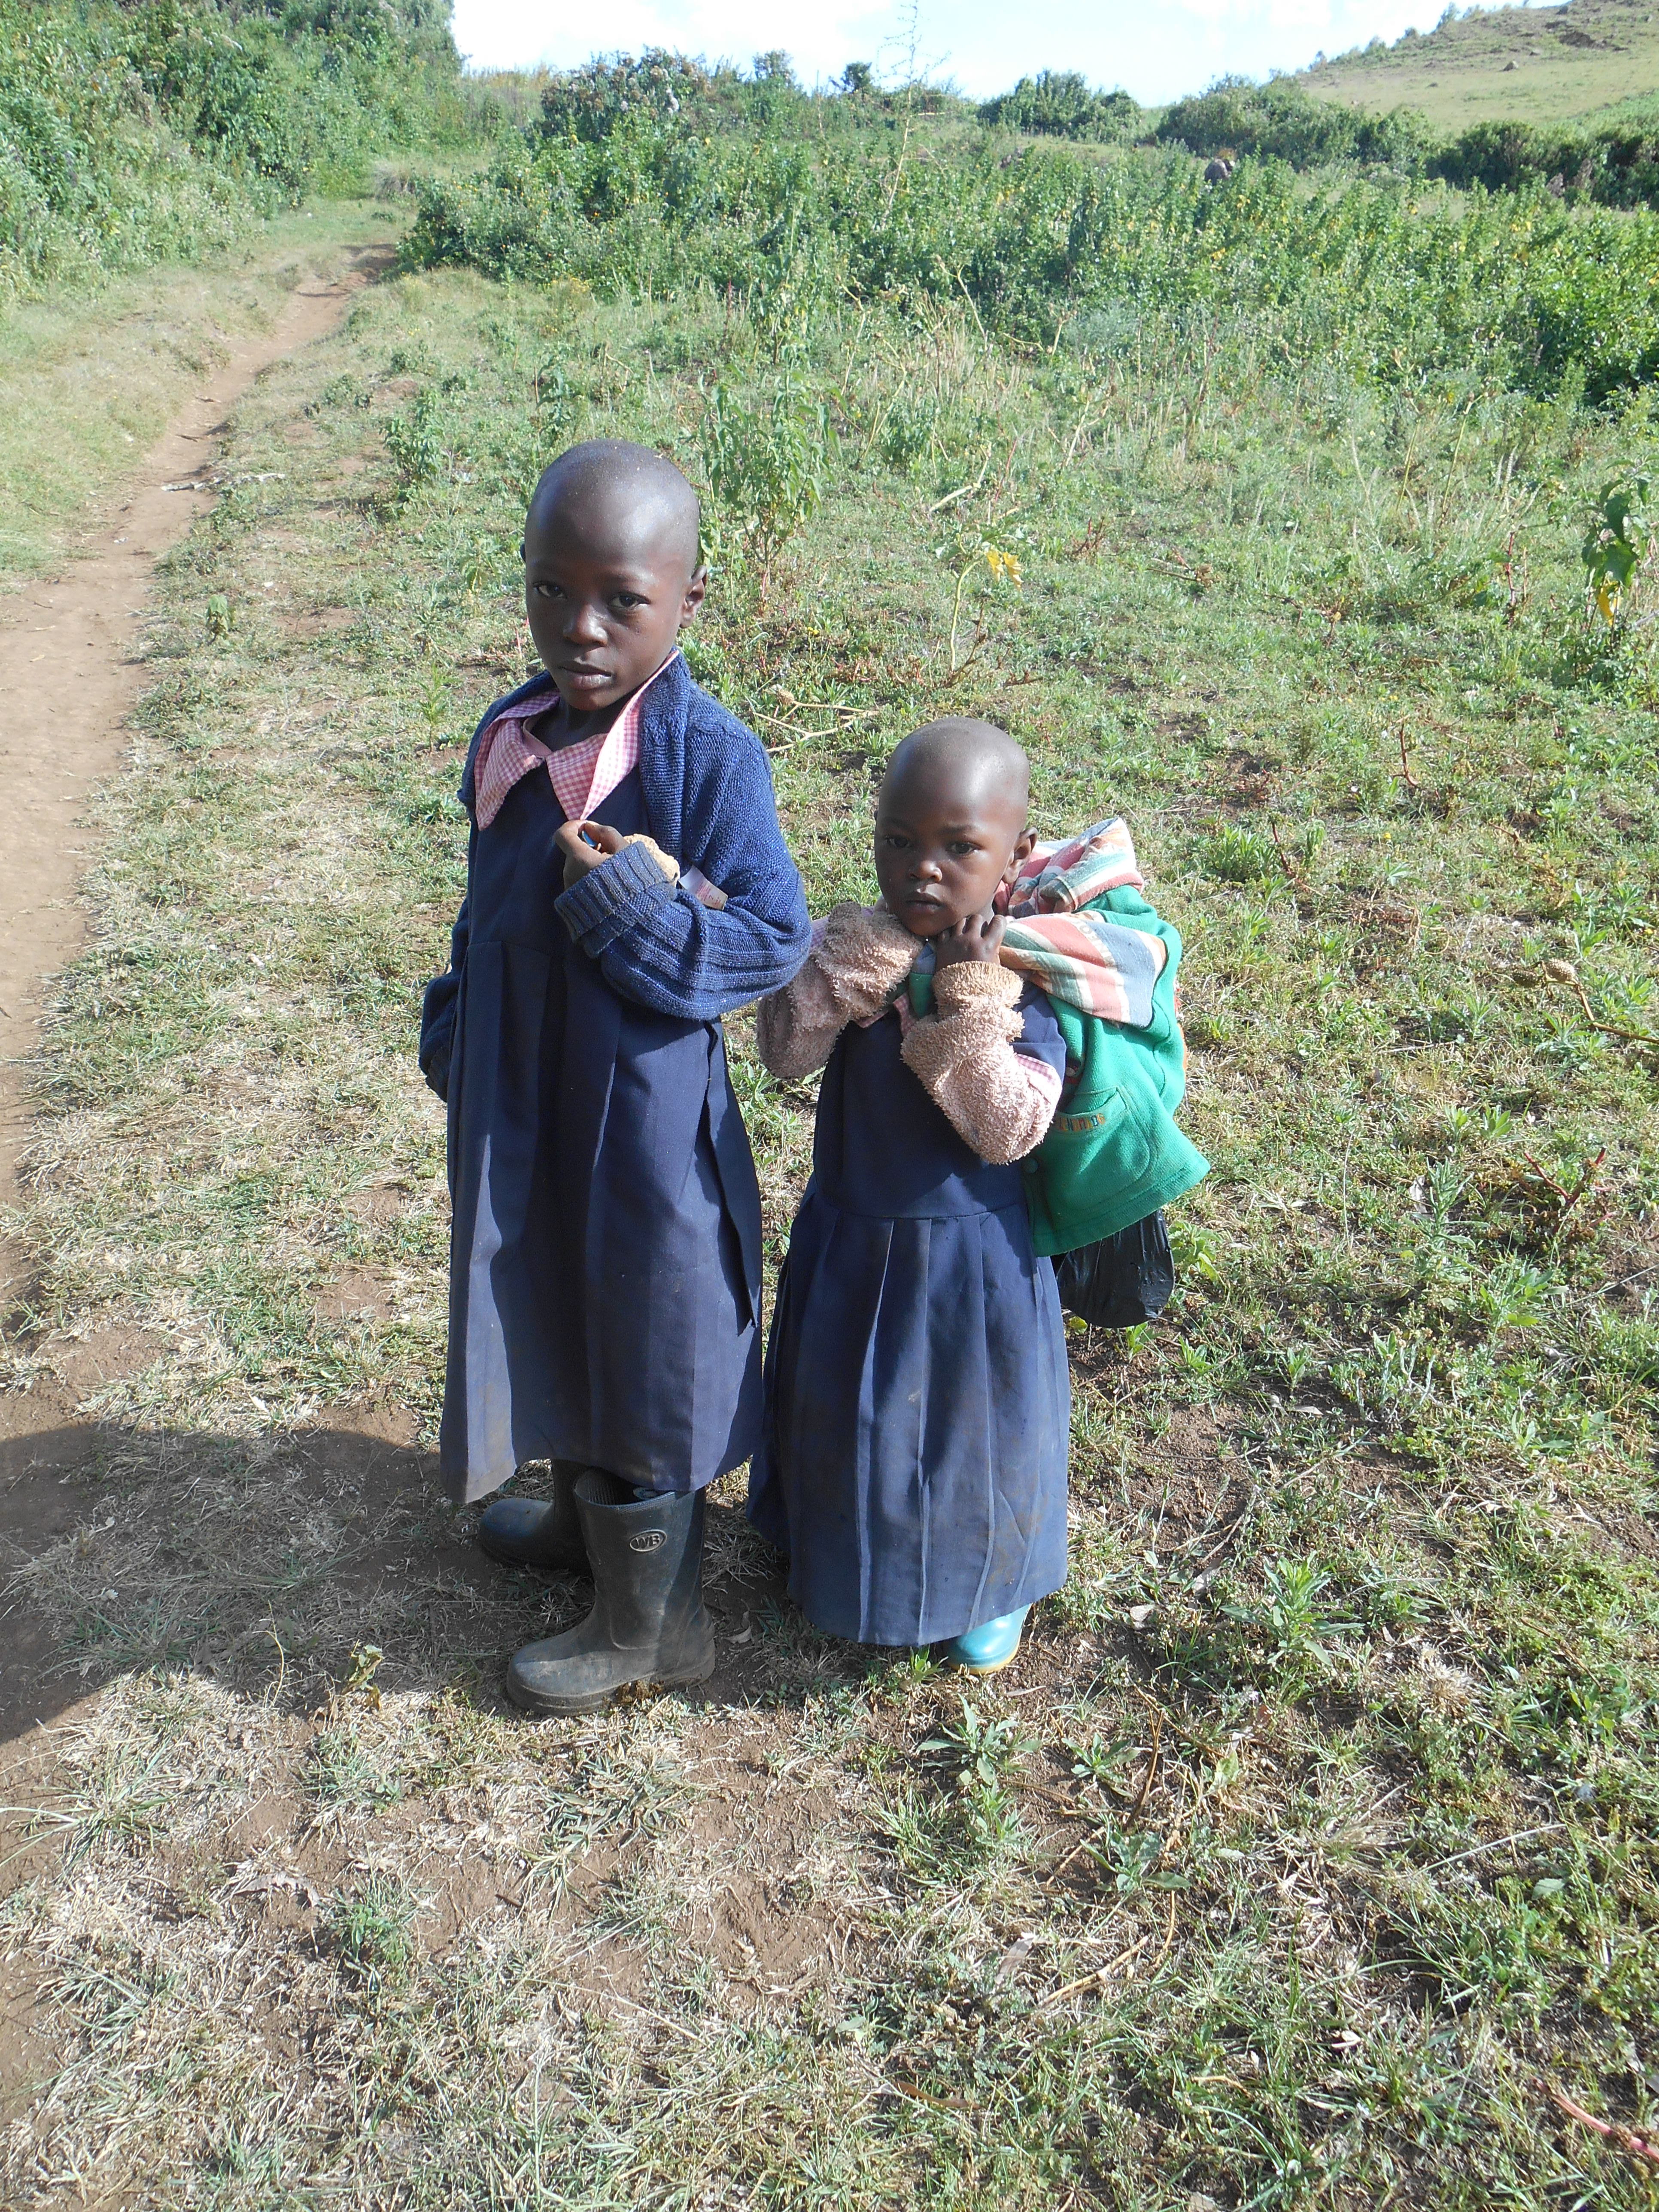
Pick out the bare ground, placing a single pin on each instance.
(70, 667)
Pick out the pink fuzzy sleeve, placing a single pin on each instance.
(858, 960)
(997, 1100)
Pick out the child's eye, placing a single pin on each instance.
(548, 591)
(962, 850)
(627, 601)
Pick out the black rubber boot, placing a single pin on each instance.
(647, 1624)
(538, 1532)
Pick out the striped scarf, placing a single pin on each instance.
(1100, 966)
(1086, 960)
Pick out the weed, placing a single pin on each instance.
(370, 1926)
(415, 445)
(767, 460)
(1131, 1860)
(1289, 1623)
(981, 1749)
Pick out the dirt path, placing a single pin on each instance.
(68, 673)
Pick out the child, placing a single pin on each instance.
(604, 1268)
(914, 1461)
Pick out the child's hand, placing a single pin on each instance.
(586, 846)
(978, 937)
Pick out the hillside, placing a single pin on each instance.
(1526, 64)
(131, 136)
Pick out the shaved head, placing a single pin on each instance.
(950, 823)
(629, 498)
(611, 574)
(974, 762)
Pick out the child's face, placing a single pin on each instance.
(943, 847)
(607, 592)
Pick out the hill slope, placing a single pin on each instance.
(1526, 64)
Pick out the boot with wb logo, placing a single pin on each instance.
(647, 1624)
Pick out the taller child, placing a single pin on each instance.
(606, 1267)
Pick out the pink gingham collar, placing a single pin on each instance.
(583, 775)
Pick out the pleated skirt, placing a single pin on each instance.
(914, 1452)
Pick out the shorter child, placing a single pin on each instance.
(912, 1464)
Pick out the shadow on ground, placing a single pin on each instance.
(266, 1563)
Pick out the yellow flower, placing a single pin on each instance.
(1003, 566)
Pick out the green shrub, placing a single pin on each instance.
(1060, 106)
(1280, 121)
(132, 133)
(588, 103)
(415, 444)
(766, 465)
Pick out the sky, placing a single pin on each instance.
(1155, 49)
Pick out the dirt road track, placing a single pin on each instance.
(68, 673)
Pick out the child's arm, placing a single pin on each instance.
(657, 943)
(998, 1099)
(438, 1010)
(861, 960)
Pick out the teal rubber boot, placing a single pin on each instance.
(989, 1648)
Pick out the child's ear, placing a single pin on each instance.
(1021, 853)
(695, 592)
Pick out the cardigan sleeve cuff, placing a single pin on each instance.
(963, 983)
(608, 897)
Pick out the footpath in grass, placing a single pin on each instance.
(1311, 1844)
(89, 378)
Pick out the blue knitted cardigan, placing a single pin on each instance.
(706, 785)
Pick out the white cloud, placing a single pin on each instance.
(514, 34)
(1158, 49)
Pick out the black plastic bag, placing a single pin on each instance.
(1121, 1281)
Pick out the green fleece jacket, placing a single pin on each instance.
(1113, 1154)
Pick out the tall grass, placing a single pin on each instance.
(1396, 281)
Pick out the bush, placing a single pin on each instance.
(766, 467)
(1280, 121)
(1062, 107)
(1616, 167)
(128, 133)
(1393, 281)
(588, 103)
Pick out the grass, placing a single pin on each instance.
(89, 378)
(1505, 64)
(1312, 1841)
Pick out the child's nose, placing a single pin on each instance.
(582, 625)
(926, 868)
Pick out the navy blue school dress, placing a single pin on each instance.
(605, 1269)
(918, 1404)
